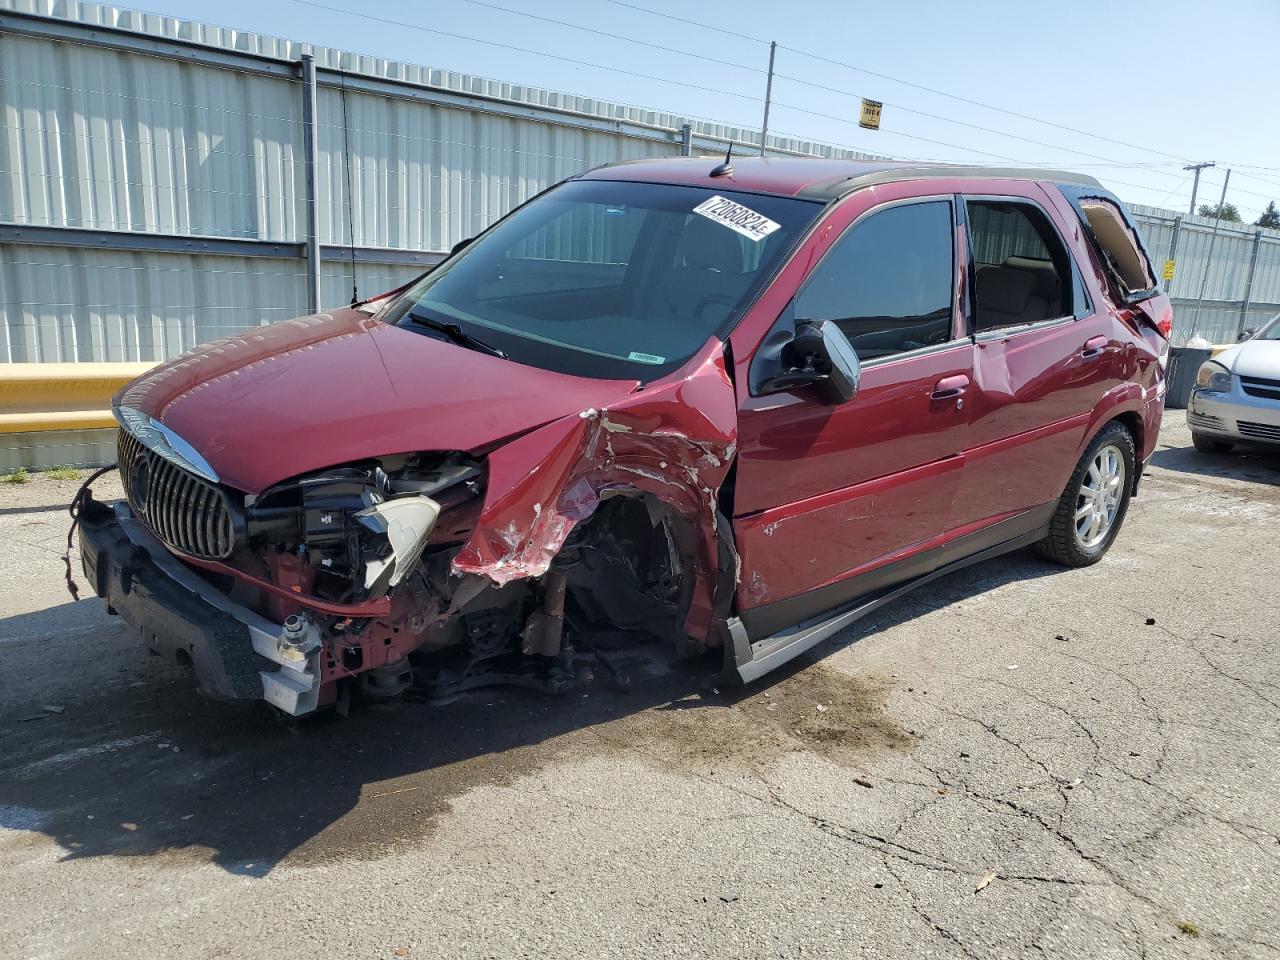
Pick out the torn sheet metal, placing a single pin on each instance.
(674, 441)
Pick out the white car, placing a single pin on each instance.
(1237, 394)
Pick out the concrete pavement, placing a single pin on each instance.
(1118, 777)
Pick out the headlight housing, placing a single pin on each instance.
(352, 533)
(1213, 377)
(399, 530)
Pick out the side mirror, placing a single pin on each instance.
(1244, 335)
(820, 356)
(460, 245)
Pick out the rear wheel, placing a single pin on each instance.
(1092, 508)
(1207, 444)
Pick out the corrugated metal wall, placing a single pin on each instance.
(425, 177)
(104, 138)
(73, 303)
(1237, 251)
(135, 148)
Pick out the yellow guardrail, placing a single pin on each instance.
(35, 397)
(61, 396)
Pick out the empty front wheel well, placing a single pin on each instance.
(630, 570)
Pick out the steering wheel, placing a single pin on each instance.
(706, 301)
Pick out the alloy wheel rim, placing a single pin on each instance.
(1098, 500)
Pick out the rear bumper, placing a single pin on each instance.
(236, 652)
(1234, 416)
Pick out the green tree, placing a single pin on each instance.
(1225, 211)
(1270, 217)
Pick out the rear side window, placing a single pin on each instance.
(1118, 244)
(1114, 239)
(1022, 271)
(888, 282)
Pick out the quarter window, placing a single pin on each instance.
(1023, 273)
(888, 282)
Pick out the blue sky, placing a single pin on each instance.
(1173, 81)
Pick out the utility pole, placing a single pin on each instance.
(768, 98)
(1195, 184)
(1208, 259)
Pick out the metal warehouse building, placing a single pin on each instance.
(164, 182)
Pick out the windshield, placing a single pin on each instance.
(609, 279)
(1271, 331)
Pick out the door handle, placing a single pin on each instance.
(949, 387)
(1093, 347)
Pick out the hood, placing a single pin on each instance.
(292, 397)
(1253, 358)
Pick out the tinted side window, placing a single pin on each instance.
(889, 281)
(1022, 270)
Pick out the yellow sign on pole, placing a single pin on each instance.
(870, 119)
(1167, 273)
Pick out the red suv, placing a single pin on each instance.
(664, 406)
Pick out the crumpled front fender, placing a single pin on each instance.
(674, 440)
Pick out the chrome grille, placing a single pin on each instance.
(1261, 387)
(186, 512)
(1258, 431)
(1204, 420)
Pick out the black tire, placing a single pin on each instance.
(1209, 445)
(1063, 545)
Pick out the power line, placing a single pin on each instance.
(991, 130)
(518, 49)
(614, 36)
(953, 146)
(1145, 166)
(1169, 196)
(896, 133)
(631, 73)
(972, 126)
(979, 103)
(780, 76)
(1256, 178)
(942, 93)
(754, 99)
(892, 79)
(997, 156)
(692, 23)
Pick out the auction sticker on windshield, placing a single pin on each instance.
(645, 357)
(736, 217)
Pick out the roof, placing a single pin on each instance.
(818, 178)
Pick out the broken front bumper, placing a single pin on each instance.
(237, 654)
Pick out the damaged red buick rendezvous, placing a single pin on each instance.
(667, 406)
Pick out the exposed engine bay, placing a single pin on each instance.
(352, 535)
(581, 550)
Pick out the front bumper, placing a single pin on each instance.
(1234, 415)
(237, 654)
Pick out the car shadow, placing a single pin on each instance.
(140, 766)
(1245, 462)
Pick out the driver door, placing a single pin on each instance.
(835, 501)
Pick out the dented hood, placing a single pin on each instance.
(297, 396)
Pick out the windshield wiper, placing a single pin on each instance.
(455, 333)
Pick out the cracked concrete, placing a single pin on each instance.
(1118, 778)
